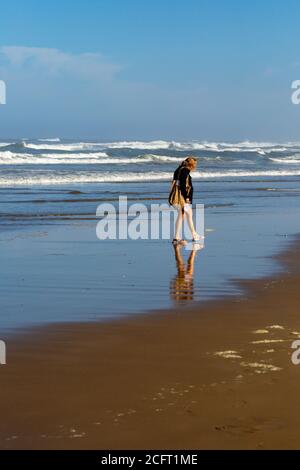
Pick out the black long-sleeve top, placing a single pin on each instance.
(182, 175)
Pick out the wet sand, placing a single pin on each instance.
(218, 376)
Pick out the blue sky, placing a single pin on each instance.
(127, 69)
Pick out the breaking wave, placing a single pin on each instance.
(98, 158)
(56, 139)
(246, 146)
(290, 160)
(64, 177)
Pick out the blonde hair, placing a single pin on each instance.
(190, 163)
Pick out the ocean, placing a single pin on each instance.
(54, 269)
(56, 162)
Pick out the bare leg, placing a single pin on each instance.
(189, 214)
(178, 225)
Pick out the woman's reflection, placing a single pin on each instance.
(182, 286)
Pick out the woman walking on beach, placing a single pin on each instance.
(181, 197)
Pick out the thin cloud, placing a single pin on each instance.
(88, 66)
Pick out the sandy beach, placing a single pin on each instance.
(217, 376)
(149, 230)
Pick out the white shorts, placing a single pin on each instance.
(187, 208)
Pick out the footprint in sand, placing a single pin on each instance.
(238, 429)
(235, 429)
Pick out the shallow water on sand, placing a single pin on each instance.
(53, 267)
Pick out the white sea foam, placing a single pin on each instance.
(189, 146)
(63, 147)
(100, 158)
(153, 145)
(290, 160)
(56, 178)
(246, 146)
(57, 139)
(241, 173)
(77, 177)
(160, 158)
(10, 158)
